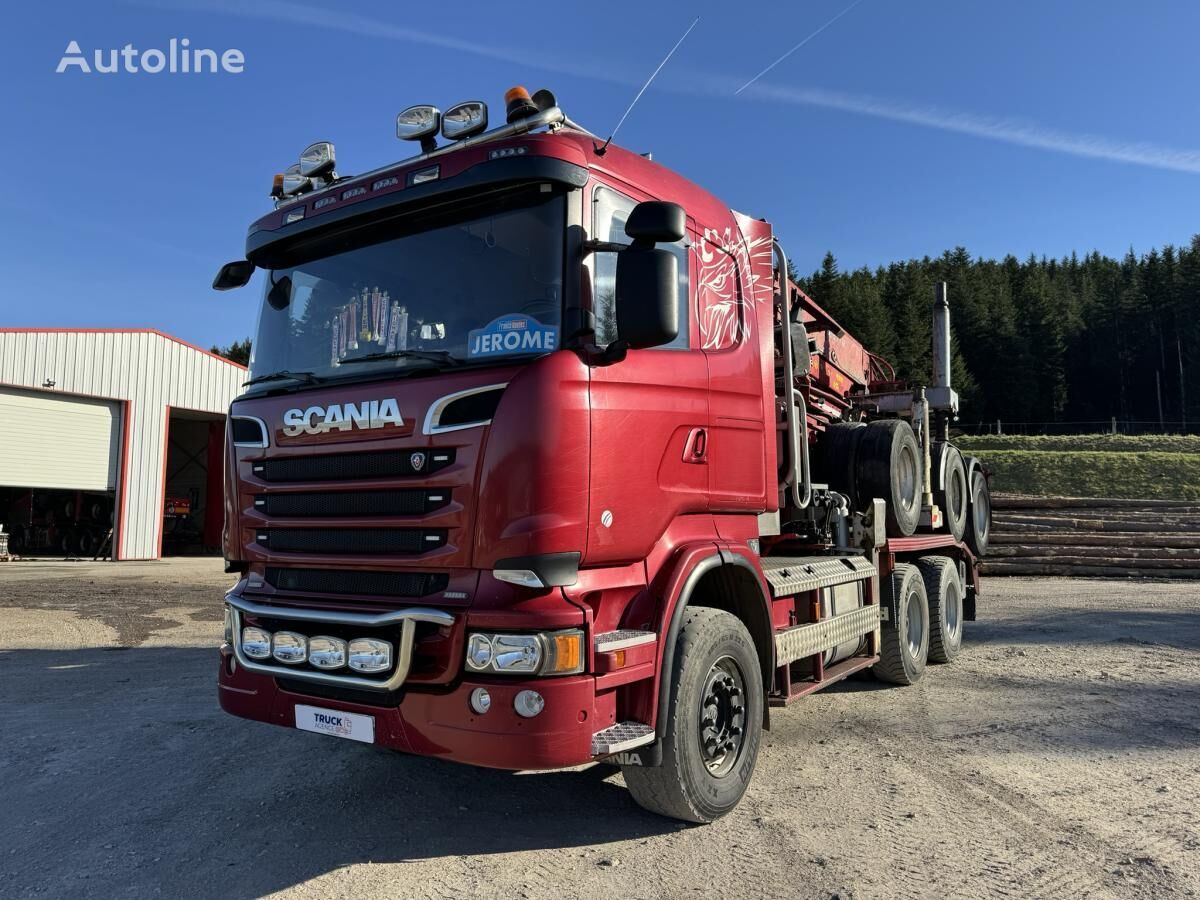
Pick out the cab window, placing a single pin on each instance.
(610, 210)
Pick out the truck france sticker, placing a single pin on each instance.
(511, 334)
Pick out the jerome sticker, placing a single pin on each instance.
(512, 334)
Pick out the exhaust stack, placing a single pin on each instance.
(941, 396)
(941, 337)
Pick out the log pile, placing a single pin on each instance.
(1094, 537)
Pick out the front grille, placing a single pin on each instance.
(368, 584)
(347, 466)
(406, 502)
(351, 540)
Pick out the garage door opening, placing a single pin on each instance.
(193, 508)
(59, 456)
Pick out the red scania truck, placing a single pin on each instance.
(544, 460)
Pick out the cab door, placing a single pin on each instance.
(649, 412)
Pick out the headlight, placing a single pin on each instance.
(516, 652)
(256, 643)
(548, 653)
(326, 652)
(370, 655)
(289, 647)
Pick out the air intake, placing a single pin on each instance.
(466, 409)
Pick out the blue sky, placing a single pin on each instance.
(900, 130)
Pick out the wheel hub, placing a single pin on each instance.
(722, 716)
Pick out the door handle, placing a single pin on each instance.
(695, 449)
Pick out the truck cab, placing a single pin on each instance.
(524, 475)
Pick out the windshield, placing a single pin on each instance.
(466, 287)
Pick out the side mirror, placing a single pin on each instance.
(656, 221)
(647, 289)
(234, 274)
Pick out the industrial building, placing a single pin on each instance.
(112, 442)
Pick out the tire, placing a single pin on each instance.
(693, 784)
(833, 458)
(952, 494)
(904, 646)
(889, 465)
(979, 519)
(945, 593)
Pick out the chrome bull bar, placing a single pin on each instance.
(407, 619)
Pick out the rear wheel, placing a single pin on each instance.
(953, 497)
(713, 722)
(904, 644)
(889, 465)
(979, 521)
(945, 593)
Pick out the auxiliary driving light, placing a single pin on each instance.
(481, 700)
(317, 160)
(464, 120)
(529, 703)
(370, 655)
(419, 123)
(256, 643)
(326, 652)
(289, 647)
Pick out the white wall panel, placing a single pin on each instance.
(149, 370)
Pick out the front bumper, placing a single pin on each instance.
(441, 723)
(421, 718)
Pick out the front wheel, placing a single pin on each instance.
(713, 722)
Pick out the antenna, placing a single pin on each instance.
(600, 150)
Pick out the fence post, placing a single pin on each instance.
(999, 429)
(1114, 424)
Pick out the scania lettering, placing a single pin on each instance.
(644, 494)
(318, 420)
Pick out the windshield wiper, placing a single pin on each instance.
(435, 355)
(306, 377)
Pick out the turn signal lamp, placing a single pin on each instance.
(277, 185)
(517, 104)
(566, 653)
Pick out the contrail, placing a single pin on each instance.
(797, 47)
(1006, 130)
(709, 84)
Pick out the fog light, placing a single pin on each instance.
(529, 703)
(370, 655)
(481, 700)
(289, 647)
(256, 643)
(326, 652)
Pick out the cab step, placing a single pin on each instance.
(611, 641)
(620, 737)
(801, 641)
(797, 574)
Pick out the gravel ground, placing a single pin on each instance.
(1059, 756)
